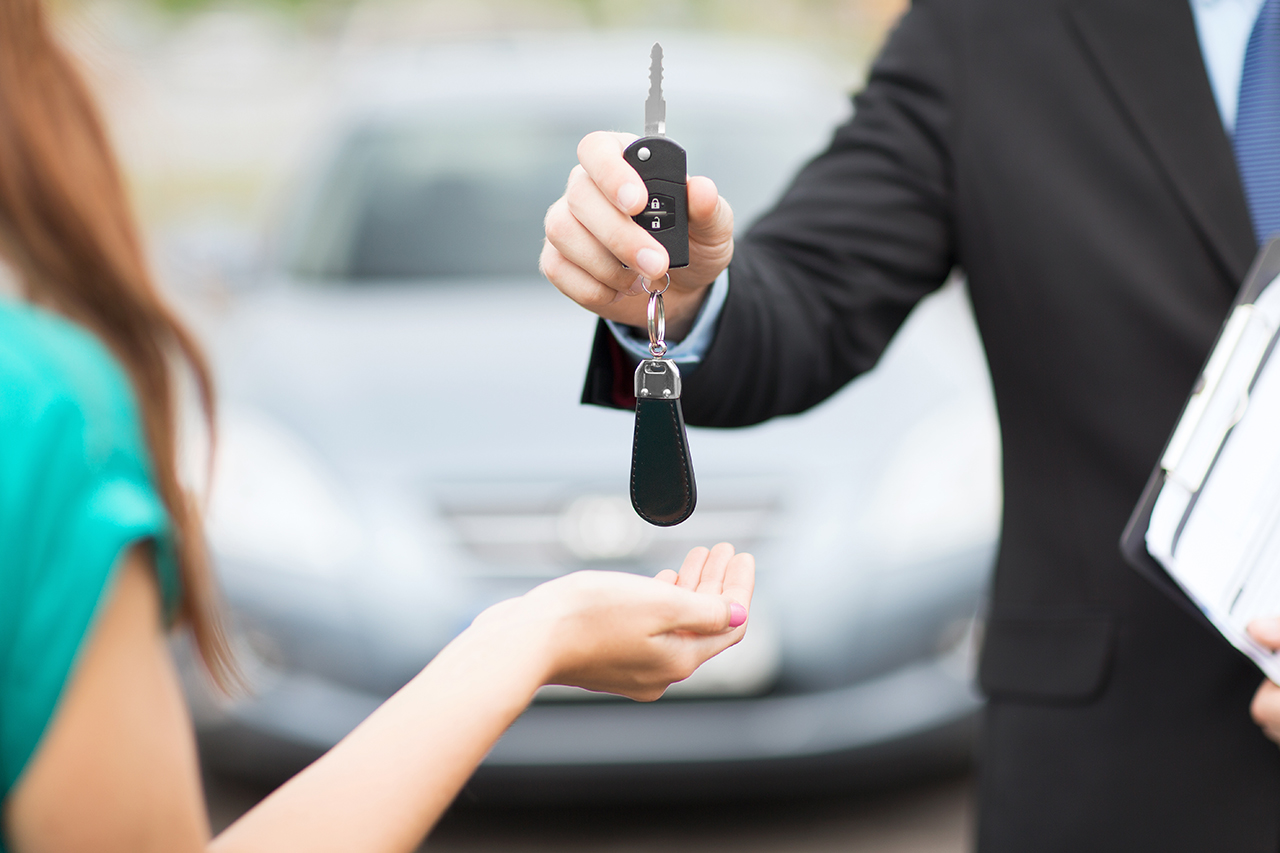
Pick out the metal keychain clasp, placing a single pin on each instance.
(657, 378)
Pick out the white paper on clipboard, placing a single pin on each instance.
(1215, 526)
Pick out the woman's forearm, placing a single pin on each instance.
(384, 785)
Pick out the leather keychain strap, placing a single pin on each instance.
(663, 489)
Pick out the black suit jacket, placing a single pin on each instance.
(1069, 156)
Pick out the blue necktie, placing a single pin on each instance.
(1257, 133)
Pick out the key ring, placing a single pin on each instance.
(644, 282)
(657, 325)
(657, 318)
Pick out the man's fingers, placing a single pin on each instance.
(617, 231)
(604, 192)
(1265, 708)
(711, 581)
(600, 154)
(667, 576)
(572, 239)
(573, 281)
(1266, 632)
(691, 569)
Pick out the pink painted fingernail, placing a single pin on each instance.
(737, 614)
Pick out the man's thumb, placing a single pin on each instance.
(710, 217)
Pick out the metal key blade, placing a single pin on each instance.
(655, 108)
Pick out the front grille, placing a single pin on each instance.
(528, 531)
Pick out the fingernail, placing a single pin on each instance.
(617, 296)
(650, 262)
(737, 614)
(629, 196)
(637, 286)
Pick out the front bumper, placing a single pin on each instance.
(920, 715)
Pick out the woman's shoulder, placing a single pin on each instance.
(58, 381)
(75, 458)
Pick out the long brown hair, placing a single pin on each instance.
(68, 232)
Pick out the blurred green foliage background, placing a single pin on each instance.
(859, 24)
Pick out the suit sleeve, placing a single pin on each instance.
(820, 284)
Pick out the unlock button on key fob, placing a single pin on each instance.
(657, 221)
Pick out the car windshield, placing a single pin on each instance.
(420, 200)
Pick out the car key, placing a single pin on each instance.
(663, 490)
(663, 167)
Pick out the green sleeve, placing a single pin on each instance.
(75, 492)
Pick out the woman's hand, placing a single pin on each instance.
(388, 781)
(1266, 702)
(594, 252)
(631, 635)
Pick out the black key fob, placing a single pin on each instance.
(663, 167)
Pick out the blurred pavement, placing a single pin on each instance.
(928, 817)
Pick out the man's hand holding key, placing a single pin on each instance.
(595, 253)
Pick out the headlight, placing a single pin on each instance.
(274, 503)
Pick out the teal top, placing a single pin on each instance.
(75, 491)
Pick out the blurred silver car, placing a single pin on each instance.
(402, 446)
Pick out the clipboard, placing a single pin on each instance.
(1202, 423)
